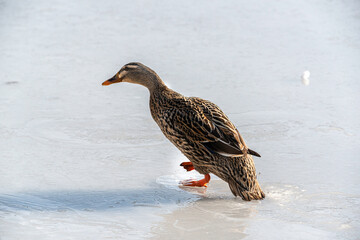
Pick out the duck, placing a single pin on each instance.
(200, 130)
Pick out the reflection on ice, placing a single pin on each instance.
(91, 200)
(75, 214)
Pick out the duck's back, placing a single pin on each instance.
(181, 120)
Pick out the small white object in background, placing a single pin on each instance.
(305, 78)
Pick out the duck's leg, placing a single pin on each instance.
(200, 183)
(187, 165)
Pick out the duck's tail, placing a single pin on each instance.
(241, 177)
(238, 190)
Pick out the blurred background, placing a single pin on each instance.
(79, 160)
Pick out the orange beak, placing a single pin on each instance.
(107, 82)
(110, 81)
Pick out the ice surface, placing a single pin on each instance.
(83, 161)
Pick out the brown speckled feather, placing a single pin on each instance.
(205, 135)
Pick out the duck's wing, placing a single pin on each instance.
(203, 121)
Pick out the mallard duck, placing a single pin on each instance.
(200, 130)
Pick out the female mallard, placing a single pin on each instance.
(200, 130)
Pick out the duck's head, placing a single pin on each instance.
(135, 72)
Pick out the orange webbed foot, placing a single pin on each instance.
(200, 183)
(187, 165)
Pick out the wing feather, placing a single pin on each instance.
(203, 121)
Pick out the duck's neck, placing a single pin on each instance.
(155, 84)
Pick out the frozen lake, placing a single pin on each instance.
(83, 161)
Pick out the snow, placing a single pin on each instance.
(83, 161)
(305, 78)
